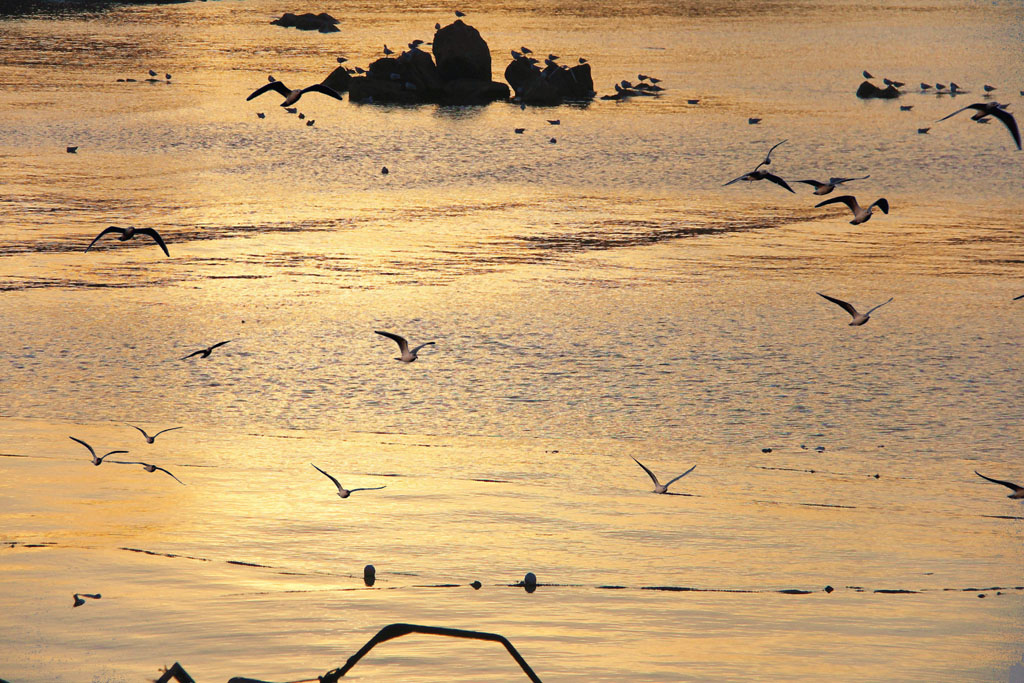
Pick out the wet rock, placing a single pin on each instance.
(460, 52)
(338, 80)
(550, 86)
(868, 90)
(829, 589)
(369, 575)
(323, 22)
(476, 585)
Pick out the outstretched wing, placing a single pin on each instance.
(325, 89)
(336, 482)
(141, 430)
(980, 106)
(194, 353)
(768, 157)
(672, 481)
(416, 350)
(156, 236)
(745, 176)
(1010, 123)
(1007, 484)
(276, 86)
(375, 488)
(842, 304)
(169, 429)
(219, 344)
(110, 453)
(403, 345)
(84, 444)
(168, 473)
(882, 204)
(1018, 297)
(848, 199)
(878, 306)
(840, 181)
(649, 473)
(778, 181)
(814, 183)
(112, 228)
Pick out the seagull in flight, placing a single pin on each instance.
(985, 109)
(149, 468)
(342, 491)
(658, 486)
(129, 233)
(757, 174)
(79, 598)
(833, 183)
(292, 96)
(151, 439)
(96, 460)
(408, 355)
(207, 351)
(858, 318)
(860, 214)
(1018, 491)
(768, 157)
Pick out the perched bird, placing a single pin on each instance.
(437, 26)
(526, 50)
(895, 84)
(151, 439)
(149, 468)
(459, 14)
(858, 318)
(926, 86)
(387, 50)
(129, 233)
(152, 73)
(758, 174)
(860, 214)
(954, 88)
(582, 60)
(207, 351)
(866, 74)
(342, 491)
(833, 183)
(96, 460)
(72, 150)
(993, 109)
(1018, 491)
(342, 60)
(408, 356)
(292, 96)
(658, 486)
(80, 598)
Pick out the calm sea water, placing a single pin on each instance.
(600, 297)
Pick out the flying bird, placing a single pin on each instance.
(130, 232)
(342, 491)
(80, 598)
(757, 174)
(149, 468)
(403, 345)
(858, 318)
(96, 460)
(658, 486)
(1016, 298)
(151, 439)
(207, 351)
(768, 157)
(992, 109)
(292, 96)
(860, 214)
(1018, 491)
(833, 183)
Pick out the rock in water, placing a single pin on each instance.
(460, 52)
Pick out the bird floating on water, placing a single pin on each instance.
(292, 96)
(207, 351)
(996, 110)
(858, 318)
(833, 183)
(860, 214)
(1018, 491)
(149, 468)
(72, 150)
(96, 460)
(130, 232)
(342, 491)
(408, 355)
(658, 486)
(151, 439)
(80, 598)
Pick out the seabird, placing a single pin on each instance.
(403, 345)
(292, 96)
(926, 86)
(692, 101)
(988, 88)
(833, 183)
(260, 115)
(310, 122)
(96, 460)
(658, 486)
(1016, 298)
(1018, 491)
(753, 120)
(866, 74)
(388, 50)
(459, 14)
(922, 131)
(553, 140)
(526, 50)
(555, 122)
(151, 439)
(129, 233)
(858, 318)
(758, 174)
(342, 491)
(207, 351)
(768, 157)
(519, 131)
(79, 598)
(384, 170)
(992, 109)
(582, 60)
(72, 150)
(152, 73)
(860, 215)
(149, 468)
(906, 107)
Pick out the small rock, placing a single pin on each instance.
(369, 575)
(476, 585)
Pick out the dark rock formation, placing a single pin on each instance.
(461, 53)
(322, 22)
(338, 80)
(552, 85)
(868, 90)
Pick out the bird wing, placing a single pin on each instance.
(156, 237)
(169, 429)
(141, 430)
(878, 306)
(416, 350)
(669, 483)
(848, 199)
(768, 156)
(840, 181)
(110, 453)
(736, 180)
(882, 203)
(815, 183)
(1010, 123)
(194, 353)
(276, 86)
(326, 90)
(977, 105)
(336, 482)
(1008, 484)
(219, 344)
(403, 345)
(778, 181)
(1018, 297)
(171, 475)
(842, 304)
(649, 473)
(112, 228)
(375, 488)
(84, 444)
